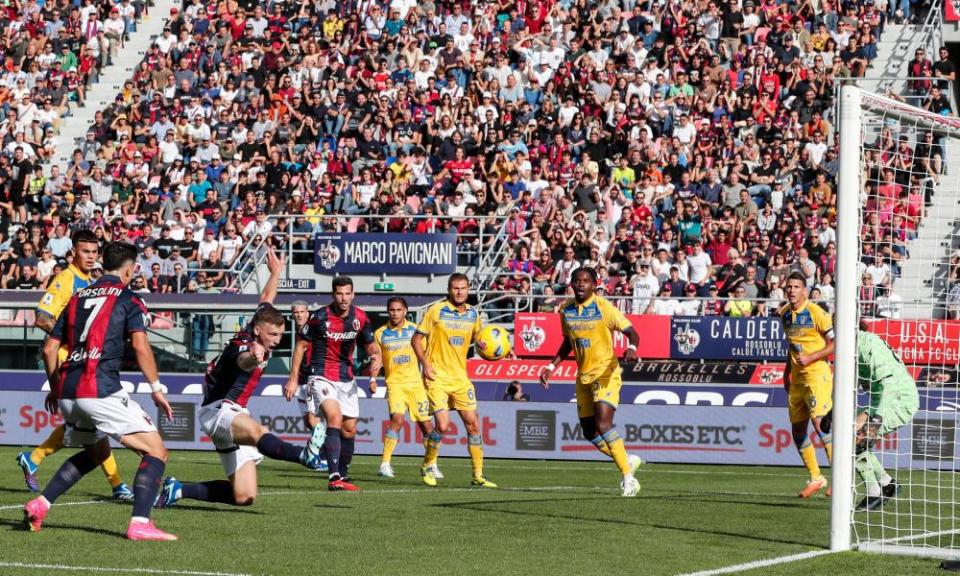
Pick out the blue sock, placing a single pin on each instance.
(213, 491)
(146, 485)
(70, 472)
(273, 447)
(332, 446)
(346, 455)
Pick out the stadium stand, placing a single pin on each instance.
(696, 141)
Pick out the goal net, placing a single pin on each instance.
(898, 271)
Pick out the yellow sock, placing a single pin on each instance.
(475, 447)
(828, 446)
(601, 445)
(53, 443)
(111, 471)
(431, 448)
(389, 445)
(617, 451)
(809, 456)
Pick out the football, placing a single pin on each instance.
(493, 343)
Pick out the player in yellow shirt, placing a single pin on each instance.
(441, 343)
(588, 323)
(86, 249)
(807, 376)
(405, 391)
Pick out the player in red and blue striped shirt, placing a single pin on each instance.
(86, 388)
(239, 439)
(332, 334)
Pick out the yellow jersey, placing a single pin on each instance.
(449, 334)
(807, 330)
(589, 327)
(400, 364)
(58, 294)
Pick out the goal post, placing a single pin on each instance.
(898, 221)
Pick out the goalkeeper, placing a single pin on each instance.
(893, 402)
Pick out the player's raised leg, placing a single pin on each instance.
(239, 460)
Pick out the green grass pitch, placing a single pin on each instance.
(549, 518)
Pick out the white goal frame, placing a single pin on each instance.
(853, 102)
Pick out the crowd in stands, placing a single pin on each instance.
(683, 147)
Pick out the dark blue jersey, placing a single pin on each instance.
(333, 339)
(225, 380)
(94, 328)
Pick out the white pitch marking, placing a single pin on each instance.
(761, 563)
(65, 567)
(82, 503)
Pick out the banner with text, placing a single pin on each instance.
(385, 253)
(723, 338)
(540, 335)
(537, 430)
(921, 341)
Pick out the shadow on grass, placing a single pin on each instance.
(721, 498)
(341, 506)
(490, 506)
(216, 508)
(17, 525)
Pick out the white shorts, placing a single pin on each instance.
(345, 393)
(215, 421)
(305, 400)
(88, 420)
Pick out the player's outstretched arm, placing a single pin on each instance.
(148, 365)
(275, 265)
(547, 372)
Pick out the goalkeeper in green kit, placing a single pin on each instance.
(893, 402)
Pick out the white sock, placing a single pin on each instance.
(873, 490)
(139, 519)
(886, 480)
(45, 501)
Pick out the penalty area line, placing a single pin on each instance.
(761, 563)
(32, 566)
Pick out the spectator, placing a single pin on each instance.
(515, 392)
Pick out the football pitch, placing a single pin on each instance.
(549, 518)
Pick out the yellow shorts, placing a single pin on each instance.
(811, 395)
(452, 397)
(606, 390)
(400, 400)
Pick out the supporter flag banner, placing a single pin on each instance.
(922, 341)
(723, 338)
(951, 11)
(385, 253)
(703, 434)
(540, 335)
